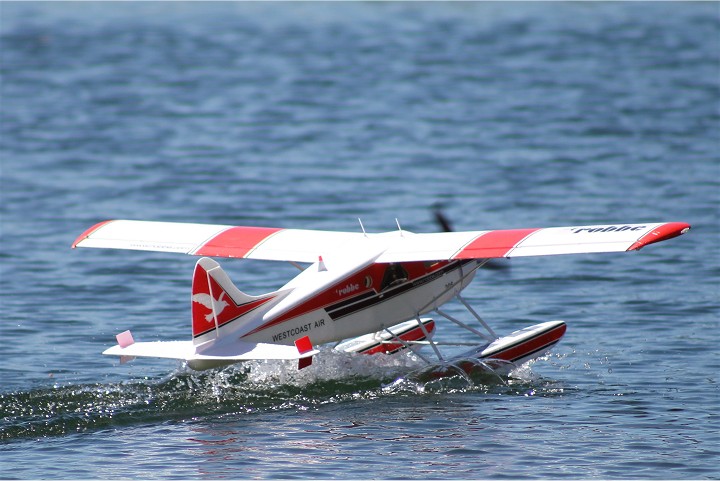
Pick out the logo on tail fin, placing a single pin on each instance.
(207, 301)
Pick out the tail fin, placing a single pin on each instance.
(216, 303)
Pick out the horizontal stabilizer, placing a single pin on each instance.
(212, 356)
(162, 349)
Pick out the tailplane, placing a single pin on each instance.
(218, 309)
(217, 305)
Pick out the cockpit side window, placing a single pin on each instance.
(394, 274)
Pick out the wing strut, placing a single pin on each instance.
(452, 286)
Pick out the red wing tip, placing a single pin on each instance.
(89, 232)
(661, 233)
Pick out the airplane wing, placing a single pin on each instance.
(265, 243)
(300, 245)
(531, 242)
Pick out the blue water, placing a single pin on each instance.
(312, 115)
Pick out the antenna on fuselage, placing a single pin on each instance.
(399, 228)
(362, 227)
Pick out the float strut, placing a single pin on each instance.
(472, 311)
(407, 346)
(465, 326)
(427, 336)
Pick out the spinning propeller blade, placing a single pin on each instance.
(444, 223)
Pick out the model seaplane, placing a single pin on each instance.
(364, 292)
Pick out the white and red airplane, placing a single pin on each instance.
(364, 291)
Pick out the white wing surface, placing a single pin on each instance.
(266, 243)
(300, 245)
(531, 242)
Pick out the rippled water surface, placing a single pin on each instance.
(313, 115)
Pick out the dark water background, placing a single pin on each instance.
(312, 115)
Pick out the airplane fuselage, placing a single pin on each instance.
(369, 299)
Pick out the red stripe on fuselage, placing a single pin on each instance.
(330, 296)
(492, 244)
(334, 294)
(235, 241)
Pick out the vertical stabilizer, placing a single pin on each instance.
(217, 306)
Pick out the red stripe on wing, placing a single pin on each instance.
(497, 243)
(235, 241)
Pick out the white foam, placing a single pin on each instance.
(333, 365)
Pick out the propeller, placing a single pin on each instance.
(443, 221)
(446, 226)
